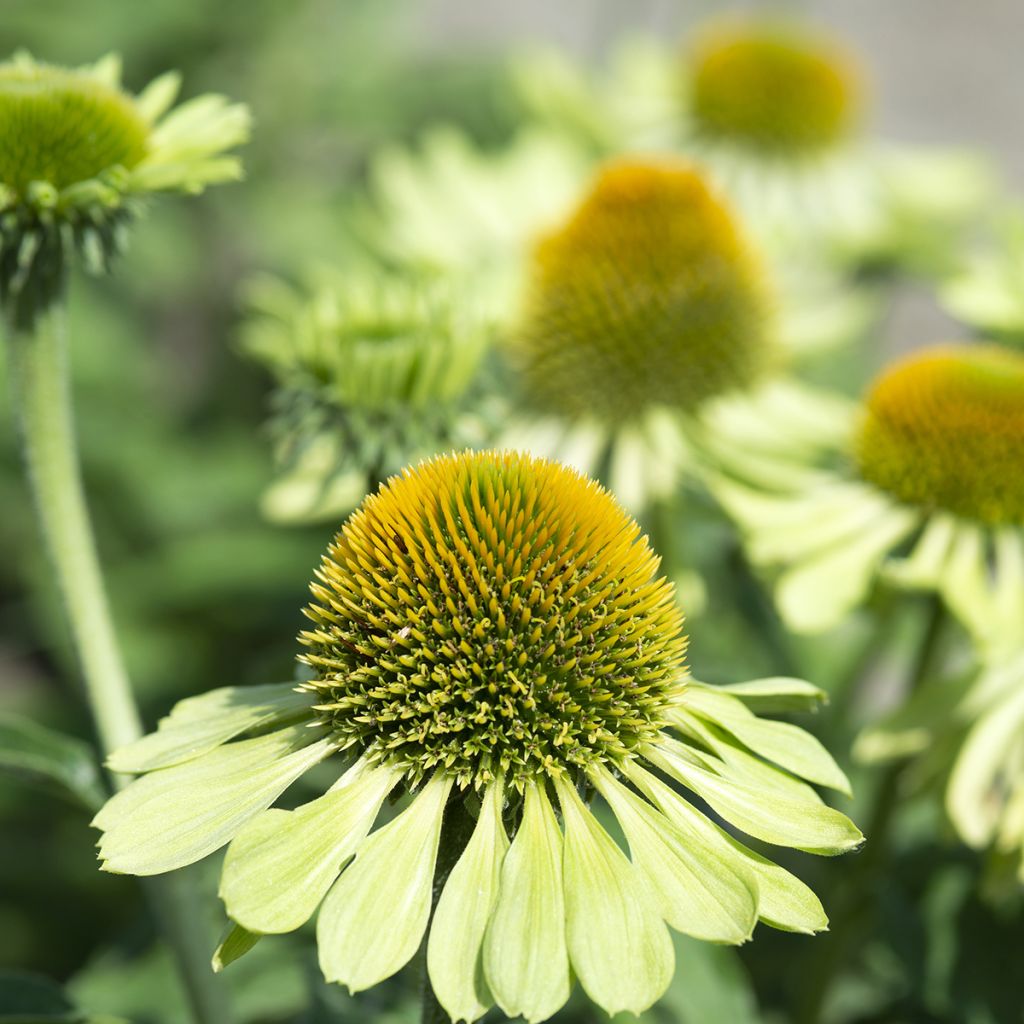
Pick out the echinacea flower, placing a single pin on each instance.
(490, 636)
(372, 372)
(928, 494)
(79, 155)
(648, 320)
(968, 735)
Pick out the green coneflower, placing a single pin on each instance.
(490, 635)
(647, 319)
(79, 153)
(372, 372)
(930, 495)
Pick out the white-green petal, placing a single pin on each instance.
(235, 944)
(965, 579)
(983, 757)
(776, 694)
(280, 866)
(924, 566)
(526, 961)
(373, 920)
(817, 594)
(455, 945)
(198, 724)
(787, 745)
(175, 816)
(699, 892)
(764, 813)
(619, 946)
(783, 901)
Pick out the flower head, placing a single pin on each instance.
(647, 296)
(79, 152)
(491, 636)
(773, 88)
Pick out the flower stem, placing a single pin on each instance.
(37, 362)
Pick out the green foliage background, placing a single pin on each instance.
(206, 593)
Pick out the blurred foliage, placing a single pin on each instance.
(207, 593)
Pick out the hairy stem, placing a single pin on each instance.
(40, 386)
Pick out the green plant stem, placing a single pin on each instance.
(856, 902)
(40, 387)
(455, 835)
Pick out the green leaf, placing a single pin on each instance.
(526, 961)
(373, 919)
(198, 724)
(455, 946)
(699, 891)
(235, 944)
(281, 864)
(49, 756)
(175, 816)
(764, 813)
(787, 745)
(776, 694)
(606, 899)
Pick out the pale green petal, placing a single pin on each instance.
(965, 579)
(776, 694)
(981, 760)
(783, 900)
(1008, 593)
(767, 815)
(455, 945)
(175, 816)
(280, 866)
(817, 594)
(698, 891)
(373, 920)
(526, 960)
(155, 100)
(923, 567)
(235, 944)
(198, 724)
(785, 744)
(618, 943)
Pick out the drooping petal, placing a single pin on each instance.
(924, 565)
(176, 816)
(372, 921)
(699, 892)
(775, 694)
(526, 960)
(455, 945)
(618, 943)
(783, 900)
(787, 745)
(198, 724)
(280, 866)
(235, 944)
(766, 814)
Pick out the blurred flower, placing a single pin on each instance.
(372, 370)
(80, 153)
(490, 634)
(927, 494)
(967, 735)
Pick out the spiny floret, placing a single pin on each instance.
(61, 127)
(648, 295)
(944, 429)
(773, 87)
(493, 612)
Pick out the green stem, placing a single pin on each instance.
(40, 387)
(854, 908)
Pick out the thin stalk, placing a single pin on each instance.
(853, 908)
(40, 386)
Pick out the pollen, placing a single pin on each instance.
(493, 613)
(648, 295)
(944, 429)
(62, 127)
(773, 88)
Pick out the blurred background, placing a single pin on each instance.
(172, 431)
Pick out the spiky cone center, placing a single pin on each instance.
(774, 88)
(648, 295)
(944, 429)
(62, 127)
(490, 613)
